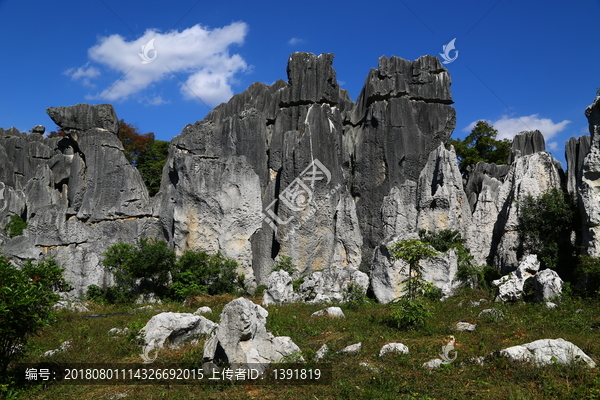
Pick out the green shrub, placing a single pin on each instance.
(95, 293)
(260, 290)
(285, 264)
(144, 267)
(354, 296)
(27, 296)
(588, 272)
(15, 226)
(545, 224)
(409, 313)
(198, 273)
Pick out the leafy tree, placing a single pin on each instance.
(588, 272)
(15, 226)
(413, 251)
(27, 297)
(481, 145)
(598, 91)
(286, 264)
(145, 153)
(545, 224)
(57, 133)
(144, 267)
(151, 163)
(199, 272)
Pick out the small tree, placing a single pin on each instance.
(413, 251)
(199, 272)
(144, 267)
(545, 224)
(481, 145)
(15, 226)
(27, 297)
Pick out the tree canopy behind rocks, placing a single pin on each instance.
(481, 145)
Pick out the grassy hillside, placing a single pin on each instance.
(392, 377)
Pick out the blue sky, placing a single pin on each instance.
(526, 64)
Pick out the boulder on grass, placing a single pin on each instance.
(171, 329)
(242, 337)
(548, 351)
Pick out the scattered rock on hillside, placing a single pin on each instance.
(329, 312)
(433, 363)
(242, 337)
(396, 348)
(548, 351)
(353, 348)
(203, 310)
(491, 313)
(321, 353)
(174, 328)
(510, 287)
(64, 346)
(331, 284)
(77, 306)
(465, 327)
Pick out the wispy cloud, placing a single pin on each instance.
(198, 56)
(84, 74)
(294, 41)
(509, 127)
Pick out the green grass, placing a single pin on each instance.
(395, 377)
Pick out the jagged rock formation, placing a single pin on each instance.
(589, 199)
(526, 143)
(295, 169)
(78, 193)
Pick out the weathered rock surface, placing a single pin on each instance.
(526, 143)
(491, 313)
(242, 338)
(170, 329)
(321, 353)
(575, 152)
(335, 312)
(351, 349)
(393, 348)
(331, 284)
(465, 327)
(78, 193)
(548, 285)
(589, 199)
(548, 351)
(510, 287)
(279, 288)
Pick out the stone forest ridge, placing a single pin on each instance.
(295, 169)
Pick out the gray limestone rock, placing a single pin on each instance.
(334, 312)
(525, 143)
(331, 284)
(393, 348)
(279, 289)
(548, 285)
(351, 349)
(589, 198)
(465, 327)
(242, 338)
(321, 353)
(548, 351)
(510, 287)
(170, 329)
(387, 277)
(575, 152)
(83, 117)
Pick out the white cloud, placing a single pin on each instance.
(198, 57)
(84, 73)
(552, 146)
(294, 41)
(509, 127)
